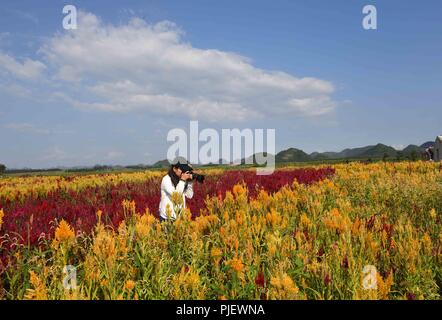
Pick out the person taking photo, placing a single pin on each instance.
(177, 180)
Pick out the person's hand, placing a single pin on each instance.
(186, 176)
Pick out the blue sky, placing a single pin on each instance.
(110, 91)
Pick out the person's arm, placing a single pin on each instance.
(168, 187)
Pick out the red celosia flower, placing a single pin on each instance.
(345, 262)
(260, 280)
(411, 296)
(327, 279)
(79, 208)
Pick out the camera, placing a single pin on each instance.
(198, 177)
(186, 167)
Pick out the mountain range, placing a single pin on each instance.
(378, 151)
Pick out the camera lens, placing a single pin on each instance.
(198, 177)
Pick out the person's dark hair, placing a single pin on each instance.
(175, 179)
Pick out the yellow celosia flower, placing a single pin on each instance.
(238, 266)
(39, 291)
(427, 243)
(355, 228)
(186, 284)
(240, 217)
(272, 231)
(283, 287)
(273, 218)
(177, 198)
(305, 221)
(104, 283)
(216, 254)
(64, 232)
(303, 283)
(105, 246)
(384, 286)
(239, 190)
(129, 208)
(129, 285)
(335, 221)
(99, 214)
(144, 224)
(2, 214)
(92, 271)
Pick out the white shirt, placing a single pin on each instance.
(167, 189)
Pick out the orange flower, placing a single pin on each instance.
(273, 218)
(99, 214)
(130, 284)
(39, 291)
(238, 266)
(305, 221)
(283, 287)
(238, 190)
(2, 214)
(64, 232)
(216, 255)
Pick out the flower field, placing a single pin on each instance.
(353, 231)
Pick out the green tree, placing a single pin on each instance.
(2, 168)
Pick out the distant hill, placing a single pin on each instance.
(323, 156)
(427, 144)
(292, 155)
(161, 164)
(413, 148)
(352, 153)
(252, 159)
(375, 151)
(378, 151)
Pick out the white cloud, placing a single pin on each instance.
(314, 105)
(26, 128)
(399, 147)
(31, 128)
(16, 90)
(28, 69)
(150, 68)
